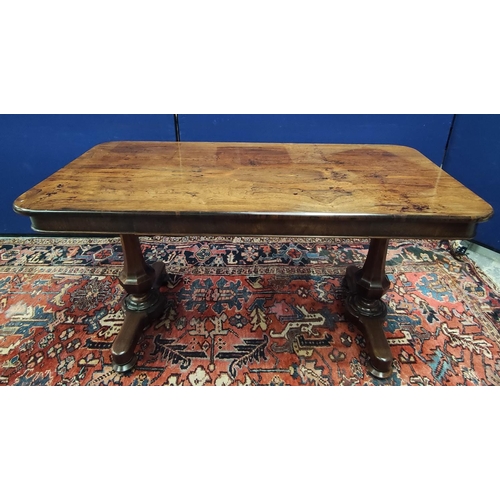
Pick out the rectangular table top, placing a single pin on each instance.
(197, 188)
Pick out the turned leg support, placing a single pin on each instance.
(365, 308)
(142, 305)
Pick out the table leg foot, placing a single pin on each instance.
(366, 310)
(122, 350)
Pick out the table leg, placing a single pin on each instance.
(143, 304)
(365, 308)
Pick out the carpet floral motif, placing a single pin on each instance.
(240, 311)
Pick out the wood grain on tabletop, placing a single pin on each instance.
(171, 177)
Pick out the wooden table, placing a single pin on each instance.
(247, 189)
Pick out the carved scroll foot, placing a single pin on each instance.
(142, 305)
(365, 308)
(136, 320)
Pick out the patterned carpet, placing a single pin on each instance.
(242, 312)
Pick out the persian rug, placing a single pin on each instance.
(241, 311)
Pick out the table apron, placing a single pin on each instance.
(254, 225)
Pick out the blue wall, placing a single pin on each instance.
(473, 157)
(34, 146)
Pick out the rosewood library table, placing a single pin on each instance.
(249, 189)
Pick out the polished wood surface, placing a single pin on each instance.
(254, 188)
